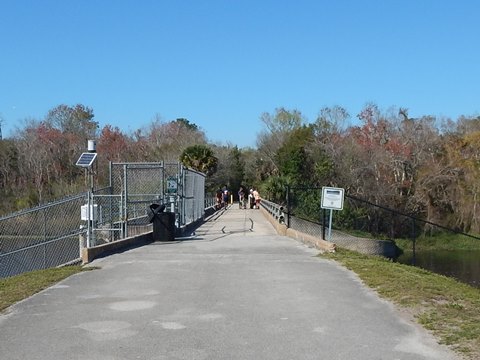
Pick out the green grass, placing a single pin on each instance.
(441, 241)
(449, 309)
(438, 241)
(16, 288)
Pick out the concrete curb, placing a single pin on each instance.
(312, 241)
(89, 254)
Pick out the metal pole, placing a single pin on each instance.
(414, 260)
(110, 202)
(89, 225)
(44, 238)
(324, 222)
(330, 226)
(125, 185)
(288, 206)
(92, 212)
(121, 211)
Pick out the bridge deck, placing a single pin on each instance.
(236, 290)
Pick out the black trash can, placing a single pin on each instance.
(163, 223)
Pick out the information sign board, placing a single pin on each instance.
(172, 185)
(332, 198)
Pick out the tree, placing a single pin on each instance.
(277, 129)
(9, 175)
(113, 145)
(237, 169)
(373, 158)
(74, 125)
(275, 188)
(187, 124)
(76, 120)
(330, 122)
(200, 158)
(231, 169)
(167, 140)
(35, 148)
(293, 159)
(447, 187)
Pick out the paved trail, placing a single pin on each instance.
(237, 290)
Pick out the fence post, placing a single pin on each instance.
(44, 212)
(392, 226)
(89, 223)
(125, 199)
(413, 243)
(324, 216)
(288, 206)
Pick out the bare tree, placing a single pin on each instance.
(277, 129)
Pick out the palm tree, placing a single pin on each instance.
(200, 158)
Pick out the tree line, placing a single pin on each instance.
(424, 166)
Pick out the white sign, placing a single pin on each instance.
(332, 198)
(171, 185)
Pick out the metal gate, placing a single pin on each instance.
(123, 212)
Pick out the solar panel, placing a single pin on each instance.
(86, 159)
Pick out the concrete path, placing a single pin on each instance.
(236, 290)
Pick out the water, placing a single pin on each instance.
(463, 265)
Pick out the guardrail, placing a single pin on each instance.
(275, 210)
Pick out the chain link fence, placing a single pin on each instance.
(136, 186)
(42, 237)
(358, 224)
(54, 234)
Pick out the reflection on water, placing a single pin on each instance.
(463, 265)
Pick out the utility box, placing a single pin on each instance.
(92, 215)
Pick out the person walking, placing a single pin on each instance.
(241, 198)
(251, 199)
(226, 193)
(218, 199)
(257, 198)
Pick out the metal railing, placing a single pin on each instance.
(275, 210)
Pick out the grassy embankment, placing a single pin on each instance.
(441, 241)
(442, 305)
(16, 288)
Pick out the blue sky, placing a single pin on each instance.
(221, 64)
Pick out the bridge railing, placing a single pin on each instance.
(275, 210)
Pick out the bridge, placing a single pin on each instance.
(234, 289)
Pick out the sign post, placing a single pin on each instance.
(332, 198)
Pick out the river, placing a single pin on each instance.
(463, 265)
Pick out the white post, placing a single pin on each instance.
(89, 224)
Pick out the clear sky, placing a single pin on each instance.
(222, 63)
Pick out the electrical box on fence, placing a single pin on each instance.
(94, 214)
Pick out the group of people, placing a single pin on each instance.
(246, 198)
(252, 199)
(222, 196)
